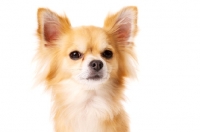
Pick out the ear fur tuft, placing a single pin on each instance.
(122, 25)
(50, 26)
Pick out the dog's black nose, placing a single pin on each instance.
(96, 65)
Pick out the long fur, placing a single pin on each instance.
(86, 107)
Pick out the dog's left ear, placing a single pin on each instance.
(122, 25)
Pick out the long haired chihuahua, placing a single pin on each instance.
(85, 69)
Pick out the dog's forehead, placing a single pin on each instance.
(90, 38)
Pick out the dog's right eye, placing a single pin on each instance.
(75, 55)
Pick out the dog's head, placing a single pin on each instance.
(86, 55)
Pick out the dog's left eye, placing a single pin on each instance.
(75, 55)
(107, 54)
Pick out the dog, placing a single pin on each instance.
(85, 69)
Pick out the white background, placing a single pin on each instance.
(164, 98)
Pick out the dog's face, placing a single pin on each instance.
(90, 56)
(87, 55)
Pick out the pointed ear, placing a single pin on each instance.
(122, 25)
(51, 26)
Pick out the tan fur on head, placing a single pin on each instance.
(82, 104)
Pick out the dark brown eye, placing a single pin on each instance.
(75, 55)
(107, 54)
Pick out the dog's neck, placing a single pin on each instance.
(76, 103)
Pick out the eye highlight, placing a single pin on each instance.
(107, 54)
(75, 55)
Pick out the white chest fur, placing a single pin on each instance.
(86, 109)
(89, 112)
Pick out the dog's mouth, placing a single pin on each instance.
(94, 77)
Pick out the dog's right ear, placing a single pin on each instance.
(51, 26)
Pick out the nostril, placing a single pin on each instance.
(96, 65)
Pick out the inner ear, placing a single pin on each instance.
(51, 31)
(123, 31)
(51, 26)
